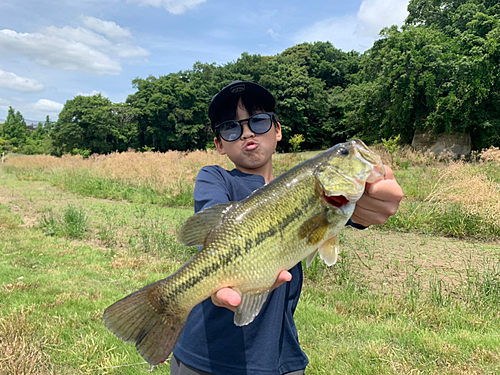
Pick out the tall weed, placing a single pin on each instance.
(442, 196)
(72, 222)
(149, 177)
(458, 199)
(482, 285)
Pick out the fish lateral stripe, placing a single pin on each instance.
(218, 261)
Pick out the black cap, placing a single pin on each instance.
(238, 88)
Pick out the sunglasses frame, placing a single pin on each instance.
(247, 120)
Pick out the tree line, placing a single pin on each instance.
(438, 73)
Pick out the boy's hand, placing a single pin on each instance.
(379, 201)
(230, 298)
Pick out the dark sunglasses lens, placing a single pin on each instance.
(230, 131)
(260, 123)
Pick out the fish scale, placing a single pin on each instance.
(247, 244)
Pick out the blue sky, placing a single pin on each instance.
(51, 51)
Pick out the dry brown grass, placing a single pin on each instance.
(19, 286)
(146, 169)
(154, 169)
(477, 194)
(173, 170)
(460, 182)
(491, 154)
(419, 158)
(21, 352)
(407, 154)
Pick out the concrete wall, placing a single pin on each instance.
(458, 144)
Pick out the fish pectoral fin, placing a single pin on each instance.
(249, 308)
(196, 229)
(310, 258)
(329, 250)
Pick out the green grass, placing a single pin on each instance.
(422, 210)
(7, 219)
(59, 274)
(424, 326)
(84, 182)
(73, 223)
(348, 332)
(396, 302)
(58, 290)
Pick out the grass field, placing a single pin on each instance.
(419, 295)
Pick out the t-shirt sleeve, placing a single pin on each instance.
(354, 225)
(210, 188)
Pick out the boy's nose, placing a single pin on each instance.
(246, 131)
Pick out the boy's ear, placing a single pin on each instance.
(279, 136)
(219, 146)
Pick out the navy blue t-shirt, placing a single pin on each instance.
(210, 341)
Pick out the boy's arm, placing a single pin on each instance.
(379, 201)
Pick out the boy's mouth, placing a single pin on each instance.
(250, 146)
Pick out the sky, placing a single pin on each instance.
(52, 51)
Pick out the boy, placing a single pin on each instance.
(247, 131)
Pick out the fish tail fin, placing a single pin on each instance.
(153, 331)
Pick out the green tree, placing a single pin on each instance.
(14, 128)
(39, 141)
(439, 74)
(93, 124)
(308, 81)
(171, 115)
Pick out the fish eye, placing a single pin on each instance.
(343, 151)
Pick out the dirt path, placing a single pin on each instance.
(392, 262)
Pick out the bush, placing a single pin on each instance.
(73, 223)
(295, 142)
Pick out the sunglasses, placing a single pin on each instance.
(232, 130)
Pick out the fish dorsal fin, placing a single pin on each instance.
(315, 228)
(249, 308)
(329, 251)
(310, 258)
(195, 230)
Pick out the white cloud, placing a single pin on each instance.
(273, 34)
(359, 31)
(107, 28)
(33, 112)
(339, 31)
(45, 105)
(374, 15)
(54, 51)
(172, 6)
(11, 81)
(74, 48)
(92, 93)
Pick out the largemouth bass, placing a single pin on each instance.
(247, 244)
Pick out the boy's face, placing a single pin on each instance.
(251, 153)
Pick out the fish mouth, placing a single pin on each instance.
(336, 200)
